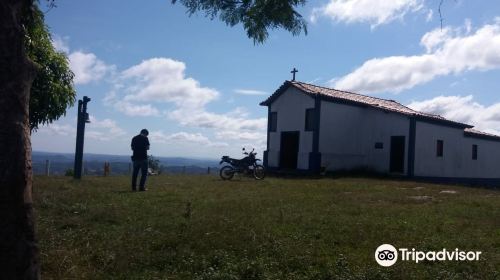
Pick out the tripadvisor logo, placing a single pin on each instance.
(387, 255)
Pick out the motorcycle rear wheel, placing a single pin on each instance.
(226, 172)
(259, 172)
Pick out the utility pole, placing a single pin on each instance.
(83, 117)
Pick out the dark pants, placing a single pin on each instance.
(143, 166)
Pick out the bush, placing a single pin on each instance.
(69, 172)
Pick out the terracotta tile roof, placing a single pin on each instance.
(390, 105)
(350, 97)
(480, 134)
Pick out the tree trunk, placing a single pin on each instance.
(18, 247)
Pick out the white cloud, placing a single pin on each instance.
(250, 92)
(60, 43)
(58, 129)
(430, 15)
(463, 109)
(375, 12)
(238, 112)
(243, 135)
(206, 119)
(468, 25)
(87, 67)
(108, 124)
(435, 38)
(141, 89)
(315, 80)
(103, 130)
(182, 137)
(130, 109)
(163, 80)
(451, 51)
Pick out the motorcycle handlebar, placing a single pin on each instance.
(249, 153)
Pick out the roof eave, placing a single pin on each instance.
(287, 84)
(481, 136)
(443, 122)
(276, 94)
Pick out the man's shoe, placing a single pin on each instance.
(143, 190)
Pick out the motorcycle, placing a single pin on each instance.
(247, 165)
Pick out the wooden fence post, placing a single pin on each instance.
(107, 168)
(47, 167)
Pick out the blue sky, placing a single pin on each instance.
(195, 84)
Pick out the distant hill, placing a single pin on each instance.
(93, 163)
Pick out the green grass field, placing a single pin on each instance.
(199, 227)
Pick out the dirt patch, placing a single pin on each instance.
(421, 197)
(448, 191)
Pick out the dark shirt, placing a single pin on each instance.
(140, 145)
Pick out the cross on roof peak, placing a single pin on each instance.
(293, 72)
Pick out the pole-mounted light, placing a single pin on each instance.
(83, 117)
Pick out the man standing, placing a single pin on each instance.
(140, 145)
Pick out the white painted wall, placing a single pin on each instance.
(457, 157)
(291, 108)
(348, 135)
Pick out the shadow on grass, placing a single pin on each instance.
(123, 192)
(368, 173)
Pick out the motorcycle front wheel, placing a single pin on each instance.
(226, 172)
(259, 172)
